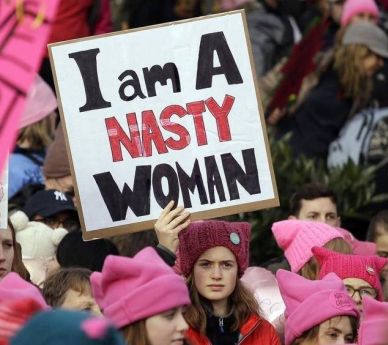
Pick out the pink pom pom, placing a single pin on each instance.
(95, 328)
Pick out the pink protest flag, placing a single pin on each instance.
(264, 286)
(24, 29)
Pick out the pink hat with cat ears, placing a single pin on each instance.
(311, 302)
(373, 329)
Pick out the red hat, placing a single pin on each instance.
(364, 267)
(14, 314)
(203, 235)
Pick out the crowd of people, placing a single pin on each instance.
(321, 69)
(194, 285)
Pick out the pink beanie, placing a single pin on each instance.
(354, 7)
(363, 267)
(297, 237)
(203, 235)
(373, 329)
(14, 314)
(311, 302)
(132, 289)
(13, 287)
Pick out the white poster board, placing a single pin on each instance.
(160, 113)
(4, 198)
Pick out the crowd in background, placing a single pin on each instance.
(321, 67)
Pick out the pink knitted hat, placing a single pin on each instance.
(354, 7)
(13, 287)
(373, 329)
(203, 235)
(297, 237)
(345, 266)
(14, 314)
(311, 302)
(132, 289)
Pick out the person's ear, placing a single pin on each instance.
(292, 217)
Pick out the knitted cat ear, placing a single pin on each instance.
(374, 310)
(285, 231)
(380, 263)
(295, 288)
(321, 254)
(96, 283)
(374, 322)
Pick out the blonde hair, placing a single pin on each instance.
(356, 84)
(38, 135)
(135, 333)
(242, 303)
(310, 269)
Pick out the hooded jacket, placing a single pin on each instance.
(255, 331)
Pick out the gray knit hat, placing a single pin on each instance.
(368, 34)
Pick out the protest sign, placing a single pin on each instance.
(24, 28)
(169, 112)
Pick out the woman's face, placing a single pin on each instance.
(6, 252)
(359, 288)
(337, 330)
(371, 64)
(382, 244)
(215, 274)
(76, 300)
(167, 328)
(363, 17)
(335, 11)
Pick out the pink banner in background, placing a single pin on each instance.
(24, 29)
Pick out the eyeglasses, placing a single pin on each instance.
(362, 292)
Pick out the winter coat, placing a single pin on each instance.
(256, 331)
(319, 119)
(25, 167)
(72, 20)
(271, 36)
